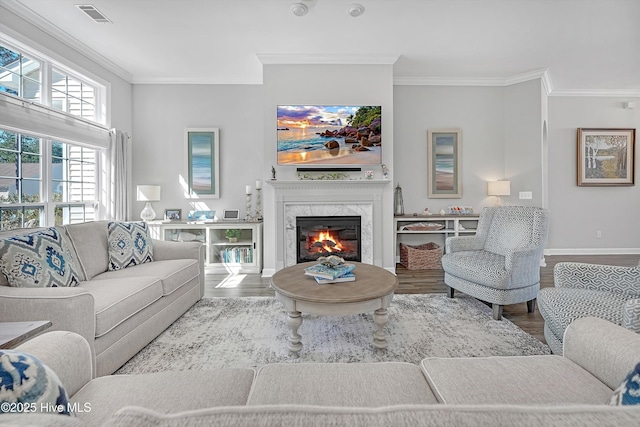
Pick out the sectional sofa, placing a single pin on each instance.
(117, 312)
(550, 390)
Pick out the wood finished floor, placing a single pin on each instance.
(419, 282)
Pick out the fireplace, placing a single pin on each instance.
(318, 236)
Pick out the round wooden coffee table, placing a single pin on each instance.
(372, 291)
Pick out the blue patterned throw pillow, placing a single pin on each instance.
(129, 244)
(38, 260)
(629, 391)
(28, 385)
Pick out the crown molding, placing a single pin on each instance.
(481, 81)
(610, 93)
(335, 59)
(72, 43)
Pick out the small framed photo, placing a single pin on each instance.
(173, 214)
(606, 157)
(231, 214)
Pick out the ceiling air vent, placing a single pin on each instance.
(93, 13)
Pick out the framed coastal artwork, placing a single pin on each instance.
(203, 162)
(443, 157)
(606, 157)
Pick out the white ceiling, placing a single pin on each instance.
(586, 46)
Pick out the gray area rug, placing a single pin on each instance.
(252, 331)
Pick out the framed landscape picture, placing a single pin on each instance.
(606, 157)
(203, 162)
(443, 158)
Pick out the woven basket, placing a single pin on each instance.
(423, 257)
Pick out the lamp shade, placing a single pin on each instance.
(148, 193)
(499, 188)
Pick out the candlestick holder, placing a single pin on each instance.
(248, 210)
(259, 203)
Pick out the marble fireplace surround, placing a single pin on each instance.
(329, 198)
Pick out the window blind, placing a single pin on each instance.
(20, 115)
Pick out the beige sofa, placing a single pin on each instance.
(117, 312)
(569, 390)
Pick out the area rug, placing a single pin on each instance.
(252, 331)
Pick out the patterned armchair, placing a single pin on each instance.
(606, 291)
(501, 263)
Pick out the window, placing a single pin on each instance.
(19, 74)
(44, 181)
(32, 195)
(22, 74)
(73, 96)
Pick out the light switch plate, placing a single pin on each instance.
(526, 195)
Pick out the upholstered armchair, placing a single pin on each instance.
(500, 264)
(589, 290)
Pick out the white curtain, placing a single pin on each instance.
(119, 175)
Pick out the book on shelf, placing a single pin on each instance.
(349, 277)
(331, 273)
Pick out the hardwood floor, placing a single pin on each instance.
(420, 282)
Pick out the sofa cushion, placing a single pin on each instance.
(38, 260)
(165, 392)
(483, 267)
(89, 239)
(526, 380)
(561, 306)
(340, 384)
(129, 244)
(629, 391)
(118, 299)
(173, 273)
(28, 385)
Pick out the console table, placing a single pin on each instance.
(243, 254)
(13, 334)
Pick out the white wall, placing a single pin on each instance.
(286, 84)
(501, 139)
(578, 212)
(162, 112)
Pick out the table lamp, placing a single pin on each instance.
(148, 194)
(499, 188)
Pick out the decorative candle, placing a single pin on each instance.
(258, 185)
(248, 189)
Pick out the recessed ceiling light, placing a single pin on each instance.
(299, 9)
(92, 12)
(355, 9)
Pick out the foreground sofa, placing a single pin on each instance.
(550, 390)
(117, 312)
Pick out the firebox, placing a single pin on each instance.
(328, 235)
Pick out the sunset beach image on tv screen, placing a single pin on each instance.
(329, 135)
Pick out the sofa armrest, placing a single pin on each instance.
(606, 350)
(68, 309)
(631, 315)
(67, 354)
(597, 277)
(463, 243)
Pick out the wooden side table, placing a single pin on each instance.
(13, 334)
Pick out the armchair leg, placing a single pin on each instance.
(531, 306)
(450, 291)
(497, 311)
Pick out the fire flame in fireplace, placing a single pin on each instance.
(325, 241)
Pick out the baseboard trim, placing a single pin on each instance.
(268, 272)
(593, 251)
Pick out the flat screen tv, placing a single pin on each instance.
(329, 135)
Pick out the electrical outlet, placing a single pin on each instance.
(526, 195)
(598, 234)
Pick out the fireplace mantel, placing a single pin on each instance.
(359, 197)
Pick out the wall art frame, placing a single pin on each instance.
(606, 157)
(202, 147)
(444, 163)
